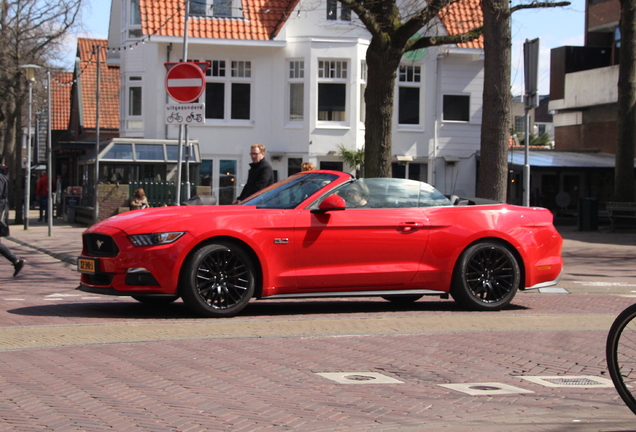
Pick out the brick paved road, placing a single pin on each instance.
(76, 362)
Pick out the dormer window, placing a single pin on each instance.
(332, 11)
(213, 8)
(134, 19)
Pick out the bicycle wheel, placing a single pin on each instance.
(620, 354)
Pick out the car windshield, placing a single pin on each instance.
(385, 193)
(291, 192)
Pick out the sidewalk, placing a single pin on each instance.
(64, 244)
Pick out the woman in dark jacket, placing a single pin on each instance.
(4, 217)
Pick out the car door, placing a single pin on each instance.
(361, 248)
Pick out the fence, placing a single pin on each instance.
(160, 193)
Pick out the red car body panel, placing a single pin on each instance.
(300, 251)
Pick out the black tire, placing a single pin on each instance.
(620, 354)
(158, 300)
(486, 277)
(218, 280)
(403, 298)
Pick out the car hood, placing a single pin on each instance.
(167, 219)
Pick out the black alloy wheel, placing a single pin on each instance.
(486, 277)
(218, 280)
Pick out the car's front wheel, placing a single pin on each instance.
(218, 280)
(486, 277)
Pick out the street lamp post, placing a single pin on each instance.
(30, 76)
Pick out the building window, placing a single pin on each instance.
(332, 165)
(134, 101)
(542, 129)
(410, 78)
(217, 8)
(296, 84)
(364, 70)
(332, 90)
(222, 8)
(294, 165)
(228, 94)
(456, 108)
(135, 14)
(332, 11)
(134, 20)
(520, 124)
(134, 105)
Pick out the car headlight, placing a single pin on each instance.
(154, 239)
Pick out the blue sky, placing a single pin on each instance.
(554, 28)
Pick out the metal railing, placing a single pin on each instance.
(160, 193)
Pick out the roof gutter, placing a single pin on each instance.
(221, 42)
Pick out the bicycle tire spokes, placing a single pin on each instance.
(621, 355)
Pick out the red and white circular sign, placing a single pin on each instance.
(185, 82)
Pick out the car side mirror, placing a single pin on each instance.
(331, 203)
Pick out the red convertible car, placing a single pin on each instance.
(324, 234)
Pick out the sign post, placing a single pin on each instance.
(185, 83)
(531, 100)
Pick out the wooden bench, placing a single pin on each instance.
(621, 211)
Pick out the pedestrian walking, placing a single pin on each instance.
(260, 175)
(4, 220)
(42, 195)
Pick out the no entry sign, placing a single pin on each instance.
(185, 81)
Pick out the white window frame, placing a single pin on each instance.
(410, 76)
(364, 72)
(295, 74)
(133, 29)
(338, 9)
(212, 6)
(234, 72)
(333, 71)
(133, 122)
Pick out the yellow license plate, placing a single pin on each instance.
(85, 265)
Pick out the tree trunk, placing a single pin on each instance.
(13, 143)
(382, 63)
(495, 132)
(626, 122)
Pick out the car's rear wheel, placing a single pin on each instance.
(218, 280)
(403, 298)
(156, 300)
(486, 277)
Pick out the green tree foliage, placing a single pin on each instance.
(353, 158)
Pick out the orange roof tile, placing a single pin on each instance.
(263, 19)
(463, 16)
(61, 99)
(109, 85)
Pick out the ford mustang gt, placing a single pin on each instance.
(324, 234)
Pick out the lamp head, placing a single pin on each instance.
(29, 71)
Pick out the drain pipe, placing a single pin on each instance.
(168, 51)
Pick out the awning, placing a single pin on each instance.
(563, 159)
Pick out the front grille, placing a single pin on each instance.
(99, 245)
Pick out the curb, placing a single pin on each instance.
(61, 257)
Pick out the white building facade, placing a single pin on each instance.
(300, 93)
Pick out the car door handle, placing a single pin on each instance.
(408, 226)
